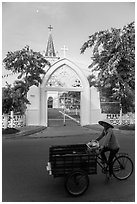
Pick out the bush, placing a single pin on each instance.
(112, 108)
(9, 131)
(127, 127)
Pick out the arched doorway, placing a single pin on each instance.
(65, 109)
(76, 82)
(50, 102)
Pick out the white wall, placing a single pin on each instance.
(95, 111)
(85, 107)
(32, 113)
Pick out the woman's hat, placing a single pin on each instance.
(106, 121)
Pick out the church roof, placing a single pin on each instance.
(50, 51)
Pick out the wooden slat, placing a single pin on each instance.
(65, 158)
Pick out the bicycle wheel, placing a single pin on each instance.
(77, 182)
(122, 167)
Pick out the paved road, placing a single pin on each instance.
(25, 178)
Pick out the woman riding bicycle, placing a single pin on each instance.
(110, 143)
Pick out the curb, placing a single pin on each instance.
(23, 133)
(61, 136)
(30, 132)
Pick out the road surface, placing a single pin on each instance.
(26, 180)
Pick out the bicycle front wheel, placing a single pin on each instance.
(77, 182)
(122, 167)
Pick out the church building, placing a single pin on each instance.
(63, 76)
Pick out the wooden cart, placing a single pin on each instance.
(74, 163)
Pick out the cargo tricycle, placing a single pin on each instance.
(77, 161)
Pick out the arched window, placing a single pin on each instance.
(50, 102)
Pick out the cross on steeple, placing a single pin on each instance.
(64, 49)
(50, 27)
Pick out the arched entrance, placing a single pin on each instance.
(65, 109)
(76, 83)
(50, 102)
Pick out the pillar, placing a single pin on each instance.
(95, 110)
(43, 108)
(85, 107)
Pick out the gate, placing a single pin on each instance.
(65, 109)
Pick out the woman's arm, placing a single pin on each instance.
(107, 138)
(101, 136)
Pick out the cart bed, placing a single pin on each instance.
(66, 158)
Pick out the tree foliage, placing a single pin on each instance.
(28, 64)
(71, 99)
(6, 99)
(113, 58)
(14, 98)
(30, 68)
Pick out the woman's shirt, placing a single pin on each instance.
(110, 139)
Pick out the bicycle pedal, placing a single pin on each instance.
(108, 177)
(105, 170)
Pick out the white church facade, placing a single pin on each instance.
(37, 113)
(63, 76)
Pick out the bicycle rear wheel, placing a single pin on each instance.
(122, 167)
(77, 182)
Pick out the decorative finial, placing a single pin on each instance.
(50, 27)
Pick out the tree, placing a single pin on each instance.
(71, 99)
(92, 80)
(6, 99)
(28, 64)
(13, 100)
(113, 58)
(30, 67)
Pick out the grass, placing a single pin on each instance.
(9, 131)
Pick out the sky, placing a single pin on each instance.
(26, 23)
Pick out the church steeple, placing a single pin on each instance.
(50, 51)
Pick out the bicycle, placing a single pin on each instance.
(122, 164)
(76, 162)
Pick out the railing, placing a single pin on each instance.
(127, 119)
(18, 121)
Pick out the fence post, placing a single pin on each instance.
(120, 118)
(11, 118)
(5, 120)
